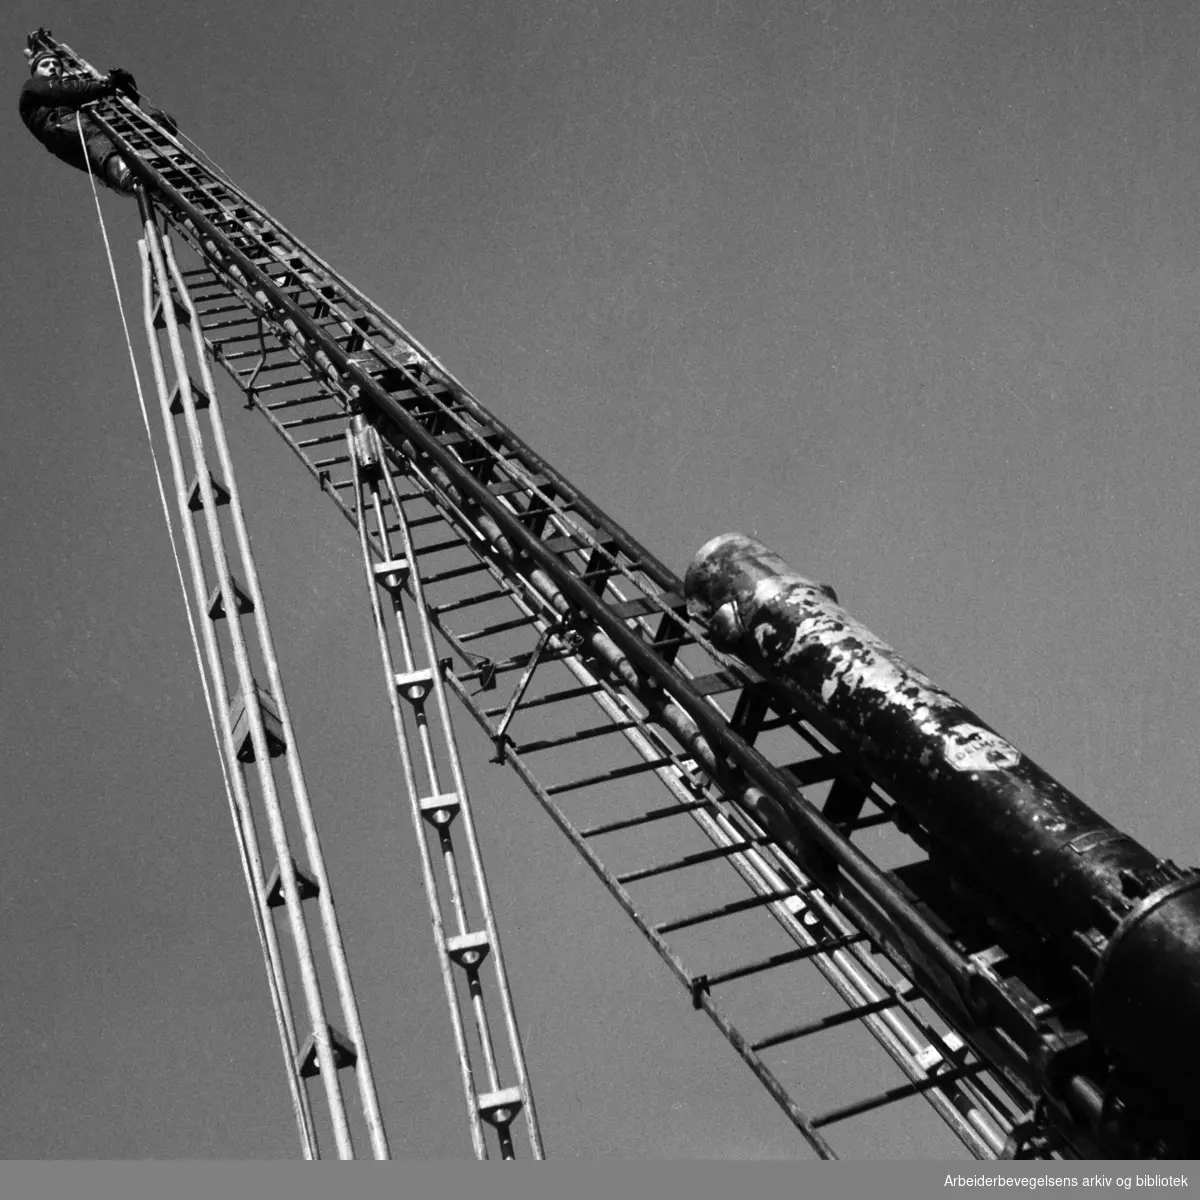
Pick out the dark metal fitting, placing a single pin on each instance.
(487, 675)
(699, 988)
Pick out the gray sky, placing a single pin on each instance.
(906, 291)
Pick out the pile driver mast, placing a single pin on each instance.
(591, 667)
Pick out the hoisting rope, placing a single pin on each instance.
(307, 1135)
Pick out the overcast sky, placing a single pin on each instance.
(906, 290)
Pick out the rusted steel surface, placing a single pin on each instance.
(1124, 923)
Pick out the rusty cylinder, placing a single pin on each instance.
(1125, 923)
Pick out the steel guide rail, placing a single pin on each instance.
(268, 278)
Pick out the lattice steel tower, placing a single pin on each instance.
(590, 666)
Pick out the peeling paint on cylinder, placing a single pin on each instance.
(1008, 827)
(914, 734)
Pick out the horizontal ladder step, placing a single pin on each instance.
(325, 439)
(499, 627)
(897, 1093)
(654, 764)
(297, 400)
(832, 1021)
(453, 572)
(725, 910)
(582, 735)
(654, 814)
(465, 601)
(438, 547)
(549, 698)
(782, 959)
(692, 860)
(315, 419)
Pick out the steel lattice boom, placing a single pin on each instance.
(492, 578)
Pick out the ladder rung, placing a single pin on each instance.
(499, 627)
(459, 438)
(829, 1022)
(298, 400)
(581, 735)
(725, 910)
(208, 326)
(436, 547)
(417, 522)
(465, 601)
(529, 517)
(315, 419)
(788, 956)
(692, 860)
(252, 336)
(325, 439)
(453, 572)
(256, 352)
(619, 773)
(549, 698)
(898, 1093)
(654, 814)
(275, 385)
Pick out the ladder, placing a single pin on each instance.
(739, 838)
